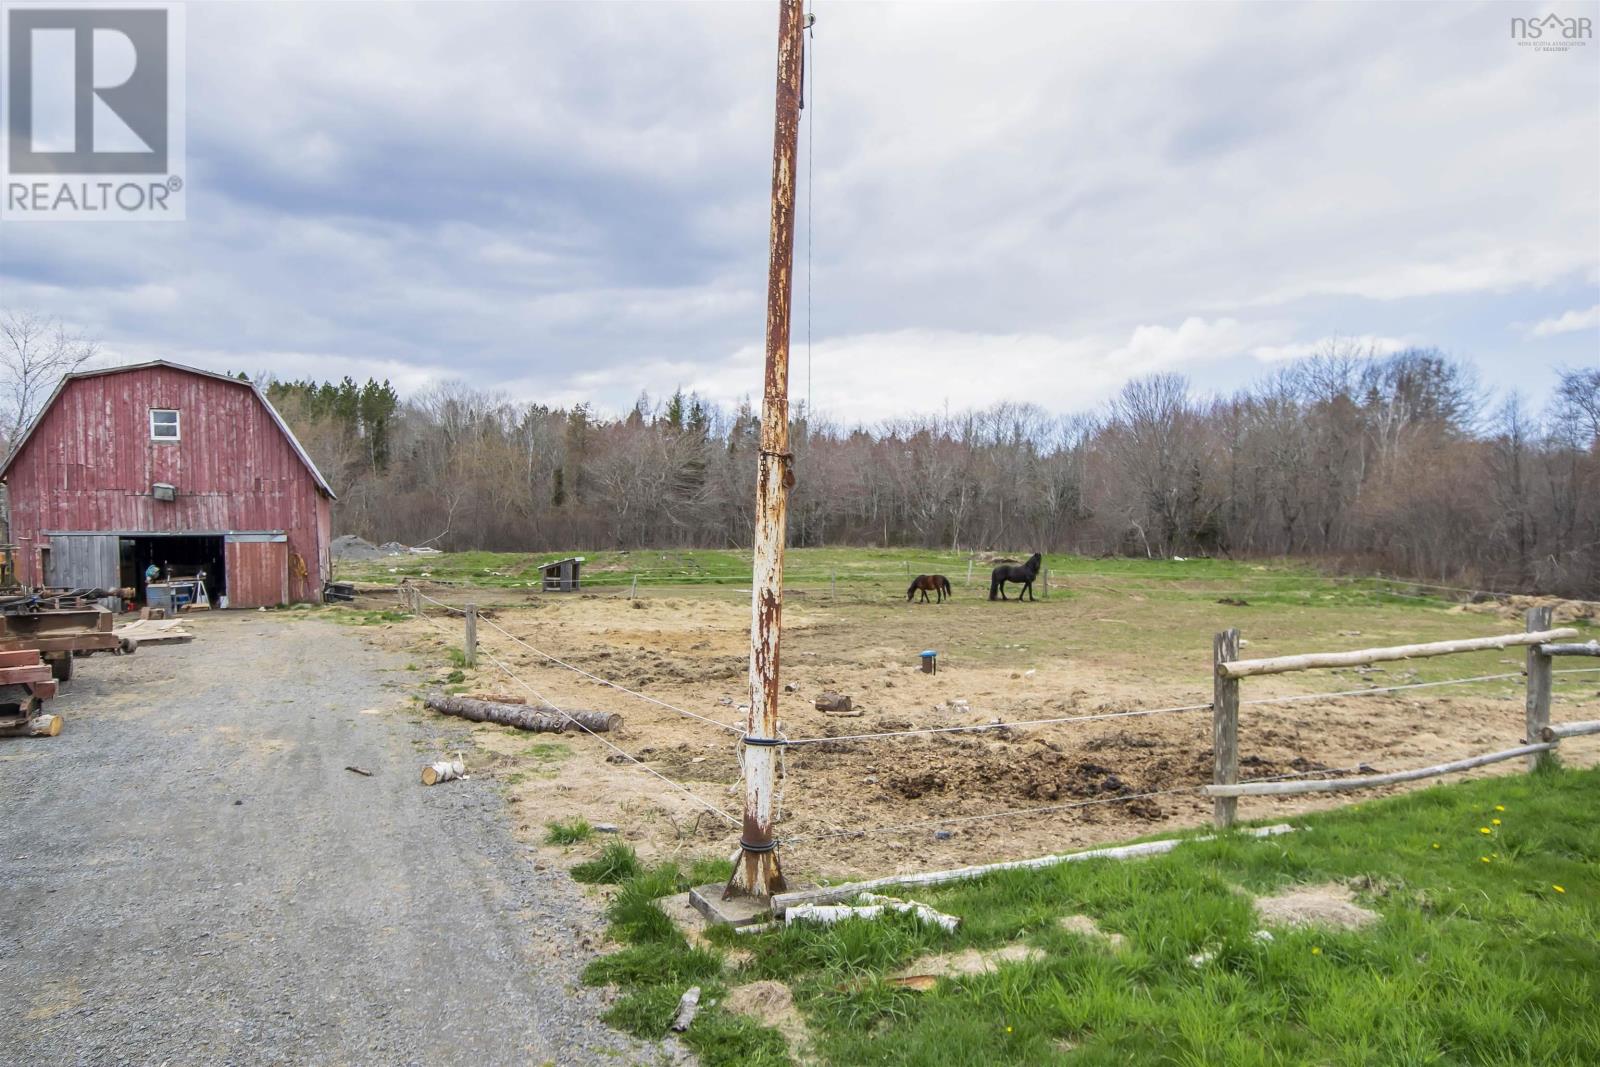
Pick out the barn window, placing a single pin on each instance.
(163, 425)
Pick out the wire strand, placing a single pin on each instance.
(811, 155)
(1013, 813)
(579, 670)
(1000, 725)
(607, 682)
(1380, 689)
(618, 750)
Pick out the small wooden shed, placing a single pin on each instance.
(562, 575)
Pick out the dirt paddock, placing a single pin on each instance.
(1084, 651)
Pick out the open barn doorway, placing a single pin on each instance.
(179, 557)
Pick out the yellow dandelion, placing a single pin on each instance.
(1436, 844)
(1495, 821)
(1008, 1029)
(1483, 859)
(1315, 950)
(1484, 830)
(1558, 889)
(1499, 807)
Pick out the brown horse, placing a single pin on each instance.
(937, 583)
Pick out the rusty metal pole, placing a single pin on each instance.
(758, 872)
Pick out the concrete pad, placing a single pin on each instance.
(740, 911)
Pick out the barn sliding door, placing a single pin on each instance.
(83, 561)
(258, 569)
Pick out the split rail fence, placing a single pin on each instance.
(1542, 645)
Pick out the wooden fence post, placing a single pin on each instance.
(833, 585)
(633, 590)
(472, 635)
(1047, 583)
(969, 571)
(1538, 689)
(1224, 726)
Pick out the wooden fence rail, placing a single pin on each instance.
(1313, 660)
(1539, 739)
(1342, 785)
(1588, 648)
(1557, 730)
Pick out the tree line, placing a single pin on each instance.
(1391, 463)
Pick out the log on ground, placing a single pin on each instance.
(38, 726)
(543, 719)
(447, 770)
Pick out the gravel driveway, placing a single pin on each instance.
(190, 875)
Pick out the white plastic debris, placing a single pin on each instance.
(875, 907)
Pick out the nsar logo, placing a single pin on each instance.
(1552, 33)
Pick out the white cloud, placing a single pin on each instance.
(1082, 193)
(1570, 322)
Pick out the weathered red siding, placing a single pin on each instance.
(89, 463)
(258, 573)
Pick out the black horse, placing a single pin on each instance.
(936, 582)
(1023, 575)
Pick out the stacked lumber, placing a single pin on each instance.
(154, 632)
(26, 668)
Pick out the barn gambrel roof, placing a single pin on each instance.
(294, 442)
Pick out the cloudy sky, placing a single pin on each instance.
(568, 201)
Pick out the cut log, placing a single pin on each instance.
(39, 726)
(688, 1006)
(447, 770)
(543, 719)
(1311, 660)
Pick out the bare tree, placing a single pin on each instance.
(35, 353)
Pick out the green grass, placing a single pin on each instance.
(658, 966)
(604, 569)
(569, 832)
(615, 863)
(1477, 957)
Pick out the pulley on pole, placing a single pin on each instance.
(757, 871)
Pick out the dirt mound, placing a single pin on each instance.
(770, 1004)
(352, 547)
(971, 961)
(1035, 768)
(1516, 607)
(1331, 905)
(1084, 926)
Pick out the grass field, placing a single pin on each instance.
(853, 568)
(1486, 950)
(1477, 956)
(1112, 636)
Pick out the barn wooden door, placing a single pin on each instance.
(83, 561)
(258, 570)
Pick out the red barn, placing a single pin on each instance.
(184, 468)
